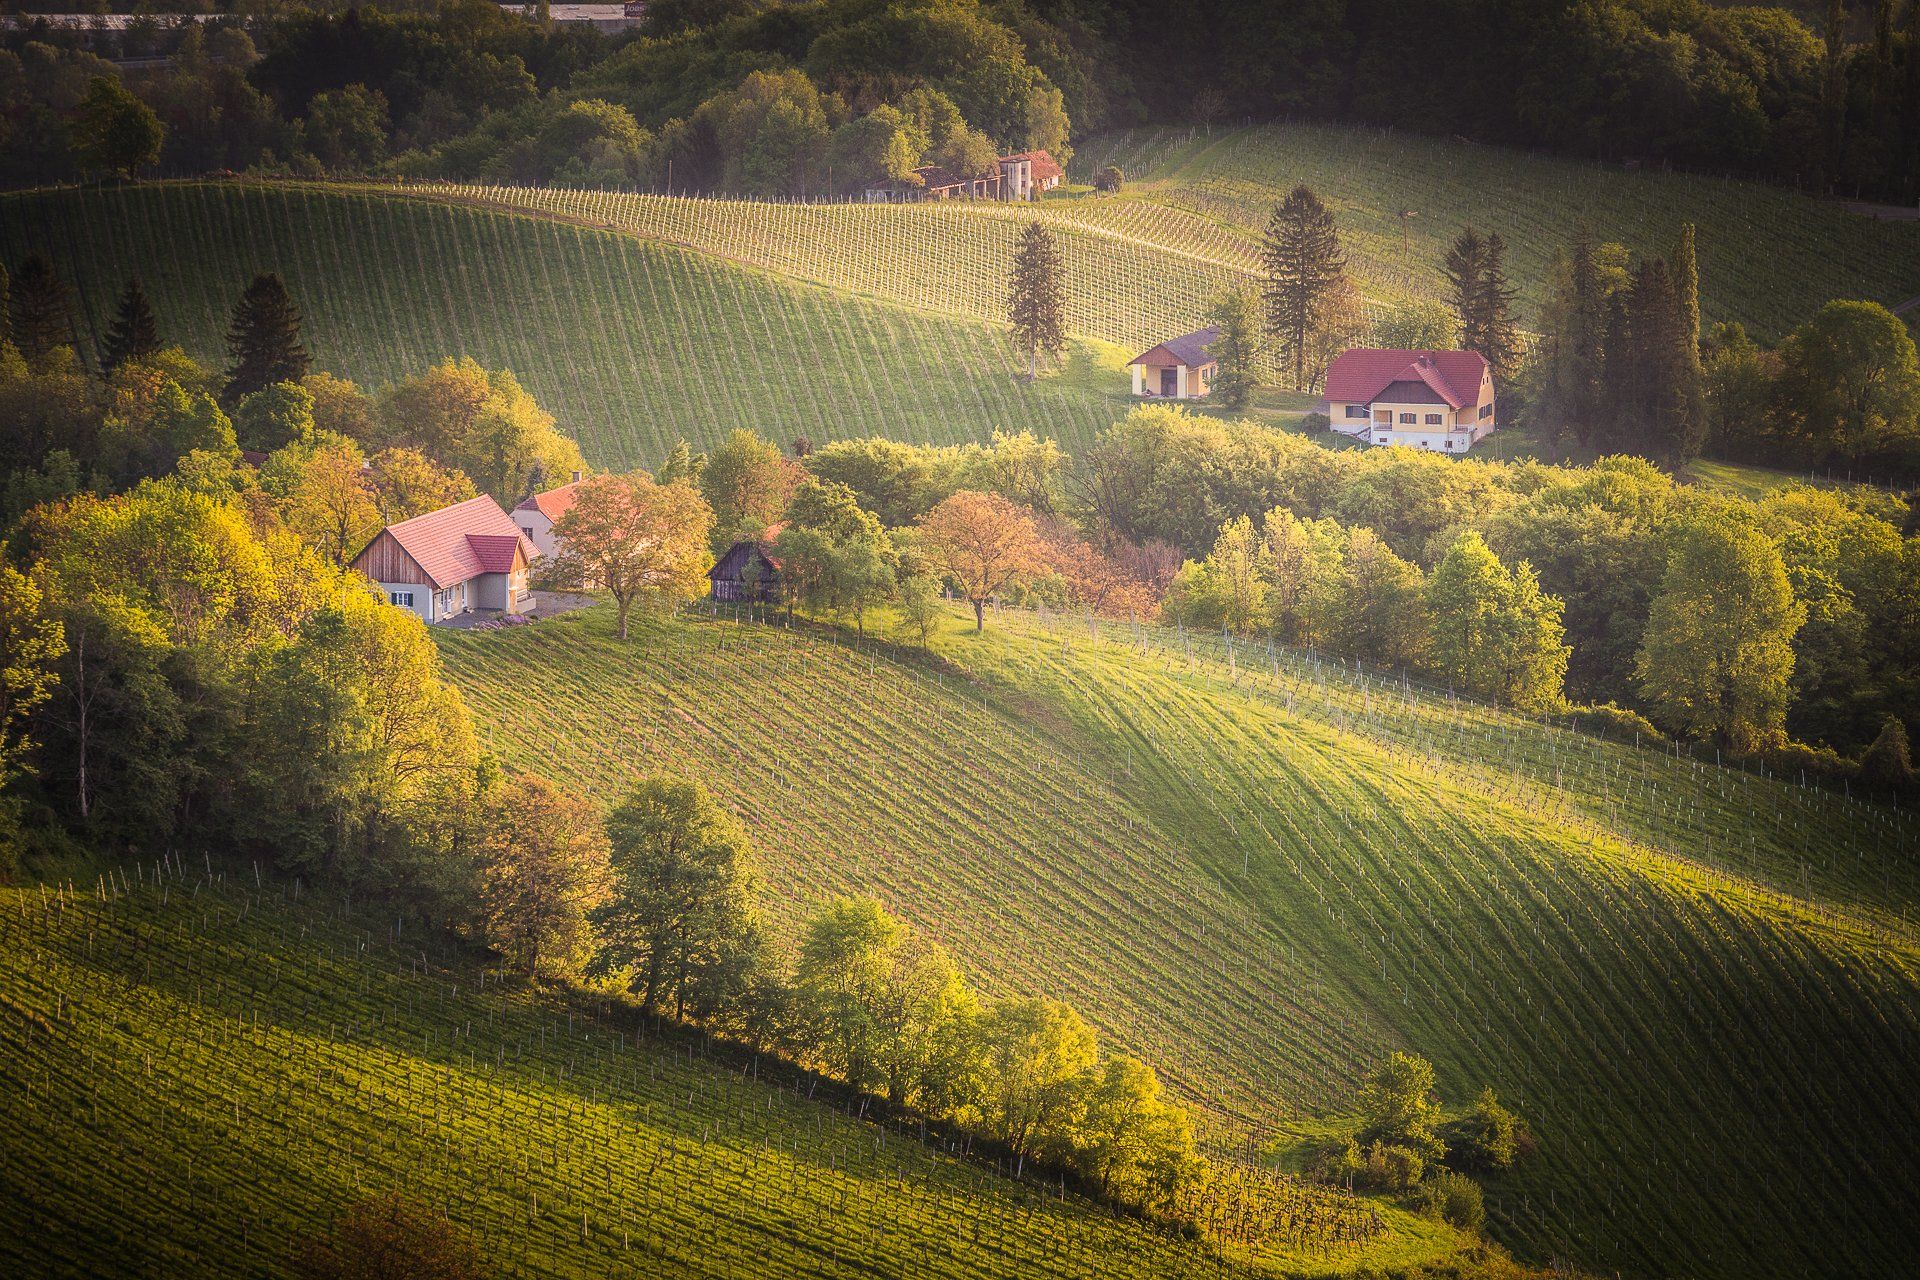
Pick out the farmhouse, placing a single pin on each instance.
(469, 557)
(748, 570)
(1014, 177)
(1440, 400)
(1178, 369)
(537, 515)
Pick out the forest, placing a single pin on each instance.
(766, 98)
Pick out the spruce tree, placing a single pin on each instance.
(1501, 343)
(37, 316)
(134, 334)
(1304, 265)
(1586, 338)
(1466, 267)
(264, 340)
(1036, 304)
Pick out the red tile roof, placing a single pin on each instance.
(1044, 166)
(1360, 375)
(463, 541)
(552, 504)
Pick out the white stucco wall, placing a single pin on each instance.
(539, 531)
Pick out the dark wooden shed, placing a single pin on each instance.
(748, 571)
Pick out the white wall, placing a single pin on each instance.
(539, 531)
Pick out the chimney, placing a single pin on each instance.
(576, 477)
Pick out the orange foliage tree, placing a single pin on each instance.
(634, 538)
(985, 543)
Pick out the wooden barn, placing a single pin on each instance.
(748, 571)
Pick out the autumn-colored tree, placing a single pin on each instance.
(985, 543)
(31, 642)
(389, 1238)
(542, 856)
(329, 501)
(635, 539)
(407, 483)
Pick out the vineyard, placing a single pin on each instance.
(1144, 265)
(1259, 871)
(630, 345)
(202, 1068)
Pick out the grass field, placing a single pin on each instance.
(196, 1070)
(630, 344)
(1260, 872)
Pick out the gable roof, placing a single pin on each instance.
(1359, 375)
(460, 542)
(552, 504)
(1189, 349)
(938, 178)
(1043, 165)
(732, 566)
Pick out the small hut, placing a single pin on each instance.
(747, 572)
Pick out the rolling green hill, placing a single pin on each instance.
(1143, 265)
(1260, 872)
(197, 1069)
(630, 345)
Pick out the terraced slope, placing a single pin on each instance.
(631, 345)
(196, 1071)
(1260, 872)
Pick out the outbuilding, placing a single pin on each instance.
(1180, 368)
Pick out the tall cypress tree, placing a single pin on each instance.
(263, 341)
(1833, 94)
(1657, 383)
(37, 315)
(6, 292)
(1586, 337)
(134, 333)
(1036, 304)
(1685, 267)
(1500, 344)
(1304, 265)
(1466, 269)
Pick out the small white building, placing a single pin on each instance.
(537, 515)
(465, 558)
(1180, 368)
(1438, 400)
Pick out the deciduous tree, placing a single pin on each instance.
(542, 860)
(1494, 632)
(983, 542)
(636, 540)
(1237, 350)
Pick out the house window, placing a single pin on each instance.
(1486, 411)
(527, 529)
(1433, 419)
(1446, 444)
(1356, 411)
(1409, 418)
(1381, 440)
(402, 598)
(1383, 415)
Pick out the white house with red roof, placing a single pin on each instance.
(1020, 176)
(1439, 400)
(537, 515)
(466, 558)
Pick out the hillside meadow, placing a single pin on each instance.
(1262, 871)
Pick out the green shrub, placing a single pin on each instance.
(1452, 1198)
(1610, 720)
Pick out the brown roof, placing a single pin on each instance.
(461, 542)
(1044, 166)
(552, 504)
(1189, 349)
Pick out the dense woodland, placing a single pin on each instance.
(812, 99)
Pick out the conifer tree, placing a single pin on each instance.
(1466, 266)
(1036, 305)
(1586, 336)
(1501, 344)
(37, 316)
(1304, 266)
(134, 334)
(264, 340)
(6, 294)
(1685, 268)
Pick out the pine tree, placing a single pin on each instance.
(1466, 266)
(134, 334)
(1501, 344)
(1036, 305)
(1685, 267)
(1653, 372)
(1304, 265)
(1586, 337)
(37, 316)
(264, 340)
